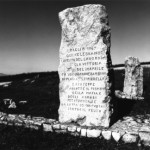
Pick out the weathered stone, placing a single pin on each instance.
(132, 130)
(84, 70)
(47, 127)
(75, 133)
(78, 129)
(116, 136)
(83, 132)
(37, 123)
(10, 123)
(11, 117)
(12, 105)
(93, 133)
(72, 128)
(39, 119)
(1, 121)
(26, 125)
(17, 123)
(28, 122)
(35, 127)
(51, 121)
(56, 126)
(145, 128)
(128, 119)
(4, 122)
(60, 131)
(133, 83)
(145, 138)
(129, 138)
(1, 114)
(147, 121)
(106, 134)
(63, 126)
(22, 116)
(122, 95)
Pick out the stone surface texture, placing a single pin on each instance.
(129, 138)
(133, 82)
(106, 134)
(85, 66)
(122, 95)
(83, 132)
(116, 136)
(129, 129)
(93, 133)
(145, 138)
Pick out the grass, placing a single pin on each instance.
(41, 91)
(18, 138)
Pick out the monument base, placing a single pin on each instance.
(122, 95)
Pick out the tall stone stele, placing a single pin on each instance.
(133, 82)
(85, 65)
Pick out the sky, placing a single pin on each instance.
(30, 32)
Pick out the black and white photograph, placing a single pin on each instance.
(74, 75)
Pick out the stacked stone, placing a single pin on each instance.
(85, 66)
(133, 83)
(129, 129)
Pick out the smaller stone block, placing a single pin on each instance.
(78, 129)
(145, 138)
(47, 127)
(27, 125)
(4, 122)
(18, 124)
(106, 135)
(72, 128)
(116, 136)
(83, 132)
(93, 133)
(37, 123)
(145, 128)
(60, 131)
(122, 95)
(56, 126)
(35, 127)
(10, 123)
(129, 138)
(63, 126)
(50, 121)
(75, 133)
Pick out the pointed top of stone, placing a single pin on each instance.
(132, 61)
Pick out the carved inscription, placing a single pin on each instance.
(84, 67)
(87, 78)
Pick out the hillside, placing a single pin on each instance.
(41, 92)
(1, 74)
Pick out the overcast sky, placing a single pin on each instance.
(30, 32)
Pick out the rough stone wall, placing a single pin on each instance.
(133, 83)
(85, 65)
(129, 129)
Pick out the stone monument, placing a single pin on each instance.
(133, 82)
(85, 66)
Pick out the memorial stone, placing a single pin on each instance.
(133, 82)
(85, 66)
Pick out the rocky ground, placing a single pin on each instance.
(37, 95)
(18, 138)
